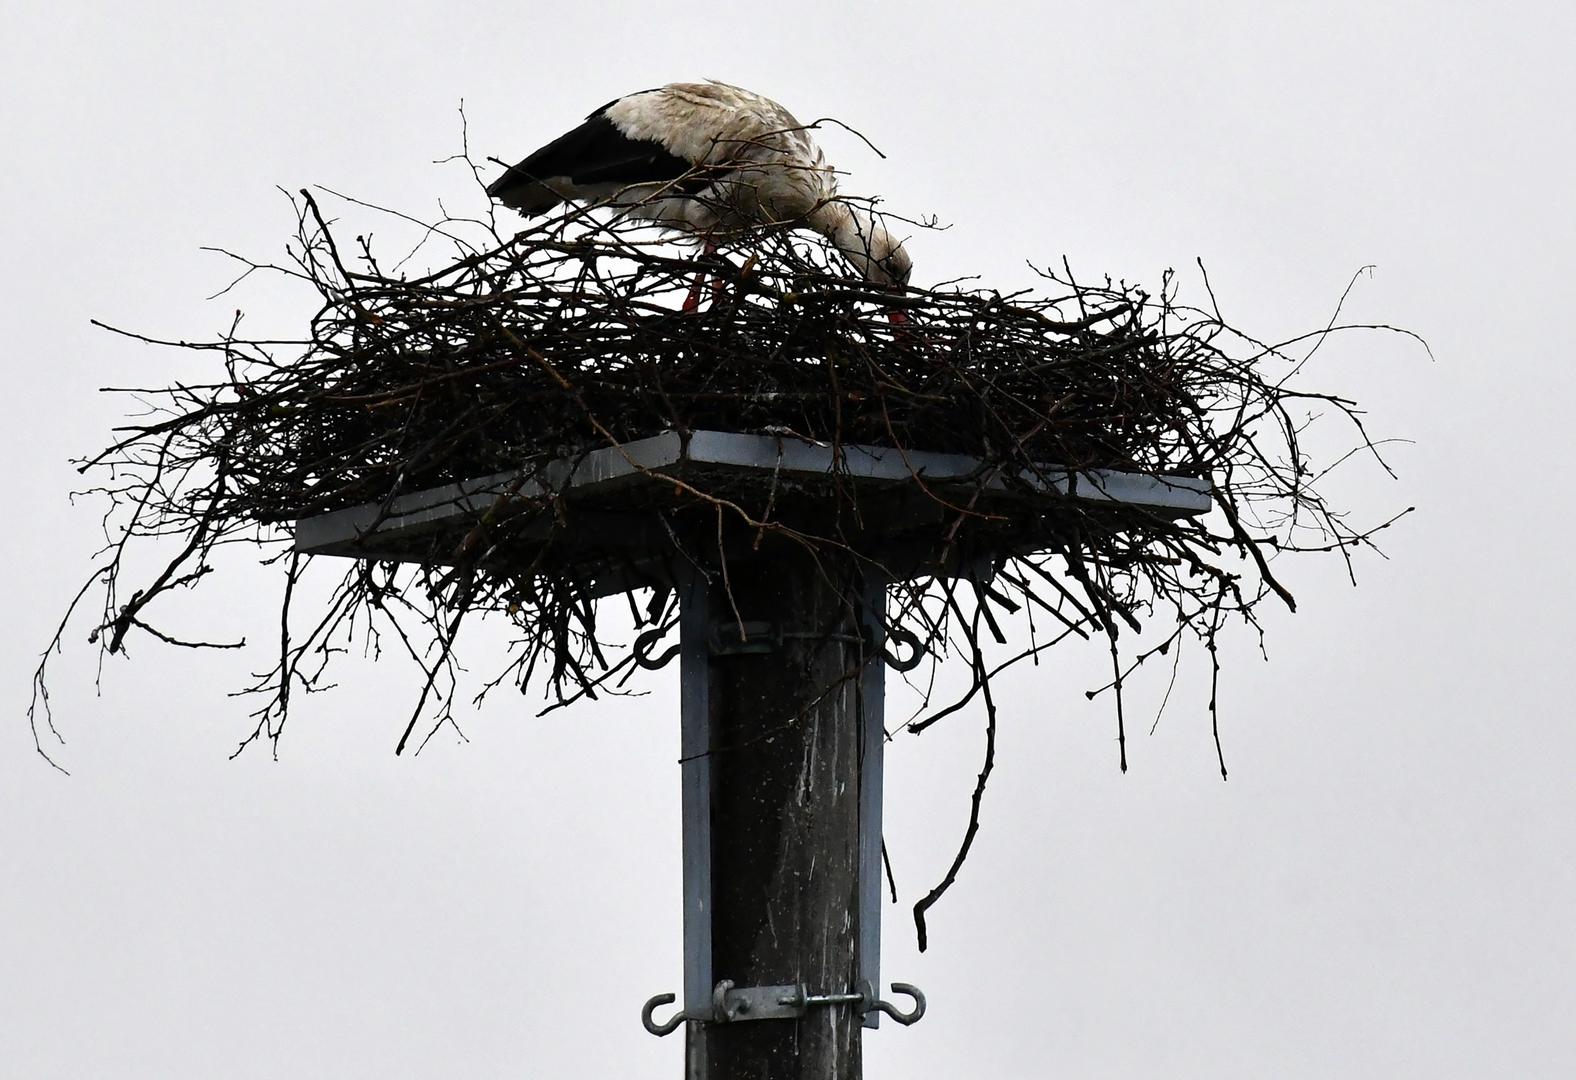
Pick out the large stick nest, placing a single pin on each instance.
(557, 341)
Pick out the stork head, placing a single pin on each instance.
(875, 253)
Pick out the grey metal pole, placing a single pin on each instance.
(785, 656)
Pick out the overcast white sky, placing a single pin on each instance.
(1385, 886)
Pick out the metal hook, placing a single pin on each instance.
(672, 1024)
(897, 633)
(643, 644)
(904, 1018)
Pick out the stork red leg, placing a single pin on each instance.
(692, 302)
(902, 328)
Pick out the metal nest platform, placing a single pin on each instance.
(606, 516)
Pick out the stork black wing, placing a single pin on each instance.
(595, 153)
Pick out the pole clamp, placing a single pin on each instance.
(732, 638)
(734, 1004)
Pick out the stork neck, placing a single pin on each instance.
(856, 233)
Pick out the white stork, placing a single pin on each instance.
(705, 158)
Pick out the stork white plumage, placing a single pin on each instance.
(709, 159)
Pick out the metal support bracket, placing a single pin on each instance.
(700, 640)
